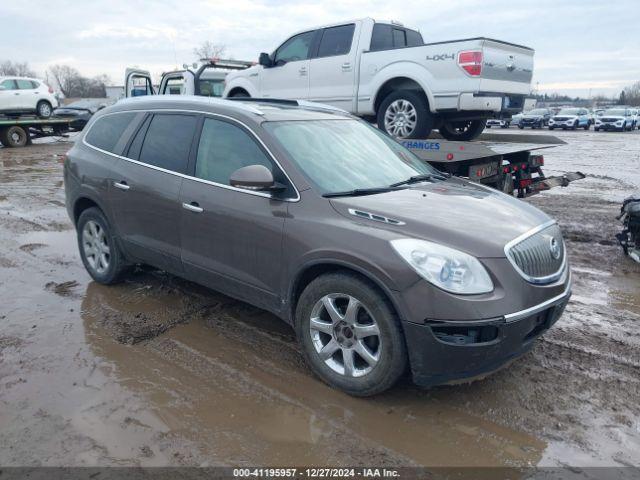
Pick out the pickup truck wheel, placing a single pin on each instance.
(405, 114)
(462, 131)
(44, 109)
(240, 94)
(350, 334)
(14, 136)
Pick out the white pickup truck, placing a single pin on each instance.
(386, 73)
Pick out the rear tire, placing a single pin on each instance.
(405, 114)
(44, 109)
(14, 136)
(462, 131)
(99, 249)
(328, 346)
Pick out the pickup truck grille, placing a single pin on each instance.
(540, 256)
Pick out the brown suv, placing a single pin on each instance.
(377, 260)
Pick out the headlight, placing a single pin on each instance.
(446, 268)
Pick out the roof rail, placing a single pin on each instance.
(291, 103)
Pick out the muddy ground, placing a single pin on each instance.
(159, 371)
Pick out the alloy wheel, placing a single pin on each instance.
(345, 335)
(95, 246)
(400, 118)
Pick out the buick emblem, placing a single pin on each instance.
(554, 248)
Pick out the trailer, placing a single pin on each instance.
(510, 163)
(18, 131)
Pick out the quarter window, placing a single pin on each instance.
(336, 41)
(168, 141)
(223, 149)
(105, 133)
(296, 48)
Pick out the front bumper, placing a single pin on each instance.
(443, 351)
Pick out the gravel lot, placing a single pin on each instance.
(159, 371)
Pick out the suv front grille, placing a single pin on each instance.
(539, 256)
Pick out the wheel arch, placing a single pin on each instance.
(85, 201)
(238, 84)
(313, 269)
(401, 77)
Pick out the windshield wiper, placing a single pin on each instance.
(360, 191)
(420, 178)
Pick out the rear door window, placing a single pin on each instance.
(167, 142)
(106, 132)
(25, 84)
(223, 149)
(336, 40)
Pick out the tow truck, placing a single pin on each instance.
(513, 166)
(18, 131)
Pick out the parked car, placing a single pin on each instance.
(296, 210)
(385, 72)
(537, 118)
(81, 111)
(618, 118)
(571, 118)
(498, 122)
(517, 118)
(26, 95)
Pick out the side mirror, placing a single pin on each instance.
(265, 60)
(254, 177)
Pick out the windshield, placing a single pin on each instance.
(539, 111)
(344, 155)
(569, 111)
(617, 112)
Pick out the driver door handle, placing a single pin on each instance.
(193, 207)
(121, 185)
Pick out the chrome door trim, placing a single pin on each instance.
(189, 177)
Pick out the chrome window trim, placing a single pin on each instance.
(536, 280)
(513, 317)
(189, 177)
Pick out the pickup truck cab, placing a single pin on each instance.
(205, 79)
(385, 72)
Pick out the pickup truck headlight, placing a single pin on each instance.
(444, 267)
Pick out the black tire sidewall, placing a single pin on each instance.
(393, 359)
(7, 140)
(116, 258)
(474, 131)
(424, 123)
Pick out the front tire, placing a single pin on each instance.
(462, 131)
(350, 334)
(44, 109)
(99, 249)
(405, 114)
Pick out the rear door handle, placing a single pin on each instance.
(303, 71)
(193, 207)
(346, 66)
(121, 185)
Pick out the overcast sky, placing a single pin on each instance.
(582, 46)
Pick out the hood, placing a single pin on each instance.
(612, 117)
(565, 117)
(533, 117)
(242, 73)
(455, 213)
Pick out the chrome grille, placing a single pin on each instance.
(532, 254)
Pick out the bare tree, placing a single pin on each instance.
(73, 85)
(632, 94)
(209, 50)
(16, 69)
